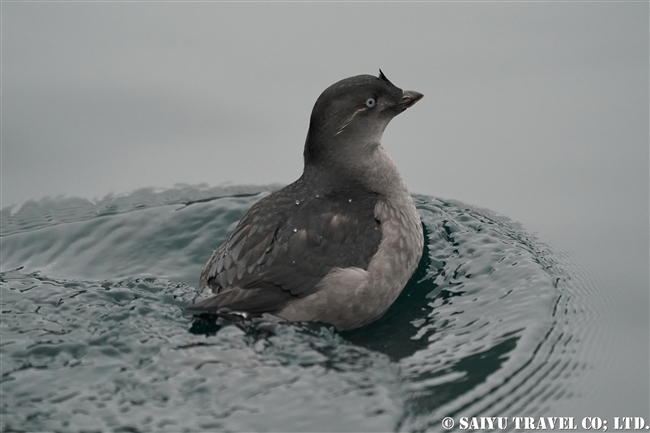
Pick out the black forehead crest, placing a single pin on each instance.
(383, 77)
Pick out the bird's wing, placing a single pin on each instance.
(285, 245)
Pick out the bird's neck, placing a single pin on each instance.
(366, 165)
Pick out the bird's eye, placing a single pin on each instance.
(370, 102)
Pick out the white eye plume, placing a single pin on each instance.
(370, 103)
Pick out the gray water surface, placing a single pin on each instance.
(95, 336)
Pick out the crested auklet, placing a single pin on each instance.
(339, 244)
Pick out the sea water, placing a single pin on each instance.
(95, 336)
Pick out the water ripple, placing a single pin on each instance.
(95, 336)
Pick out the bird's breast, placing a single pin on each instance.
(400, 250)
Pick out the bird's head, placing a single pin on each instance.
(351, 115)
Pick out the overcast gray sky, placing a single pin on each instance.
(538, 111)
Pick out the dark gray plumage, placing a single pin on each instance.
(339, 244)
